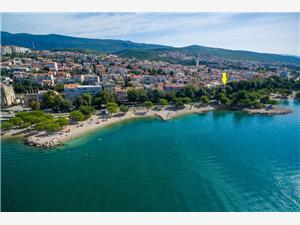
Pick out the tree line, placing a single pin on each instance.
(246, 93)
(236, 94)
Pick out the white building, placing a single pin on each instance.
(72, 91)
(14, 49)
(52, 66)
(6, 50)
(41, 78)
(17, 61)
(20, 50)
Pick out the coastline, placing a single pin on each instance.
(96, 122)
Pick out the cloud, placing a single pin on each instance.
(263, 32)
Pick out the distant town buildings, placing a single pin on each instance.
(14, 49)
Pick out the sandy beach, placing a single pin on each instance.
(69, 132)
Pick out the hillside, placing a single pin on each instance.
(155, 54)
(244, 55)
(54, 41)
(132, 49)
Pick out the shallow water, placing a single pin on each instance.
(218, 161)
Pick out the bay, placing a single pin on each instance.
(217, 161)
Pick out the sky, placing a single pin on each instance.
(261, 32)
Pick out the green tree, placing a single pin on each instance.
(16, 121)
(84, 99)
(65, 105)
(62, 121)
(154, 95)
(34, 118)
(201, 92)
(86, 110)
(25, 86)
(225, 100)
(76, 116)
(170, 95)
(148, 105)
(163, 102)
(124, 108)
(59, 88)
(111, 108)
(24, 125)
(178, 103)
(258, 105)
(52, 127)
(186, 100)
(136, 95)
(49, 99)
(56, 102)
(204, 100)
(35, 105)
(40, 126)
(103, 97)
(189, 91)
(6, 125)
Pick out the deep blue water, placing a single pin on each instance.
(218, 161)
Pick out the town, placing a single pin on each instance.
(34, 72)
(77, 83)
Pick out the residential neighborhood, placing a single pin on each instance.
(79, 73)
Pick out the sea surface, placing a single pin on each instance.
(217, 161)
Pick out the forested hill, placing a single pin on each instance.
(54, 41)
(131, 49)
(156, 54)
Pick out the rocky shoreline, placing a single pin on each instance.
(32, 141)
(266, 111)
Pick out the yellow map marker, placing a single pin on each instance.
(224, 78)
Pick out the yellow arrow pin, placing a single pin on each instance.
(224, 78)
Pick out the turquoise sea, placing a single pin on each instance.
(218, 161)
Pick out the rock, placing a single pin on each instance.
(31, 141)
(269, 111)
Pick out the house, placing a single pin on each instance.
(173, 87)
(284, 74)
(52, 66)
(90, 79)
(213, 84)
(78, 78)
(121, 94)
(40, 78)
(108, 86)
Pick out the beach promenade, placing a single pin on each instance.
(69, 132)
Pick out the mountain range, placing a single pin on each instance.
(131, 49)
